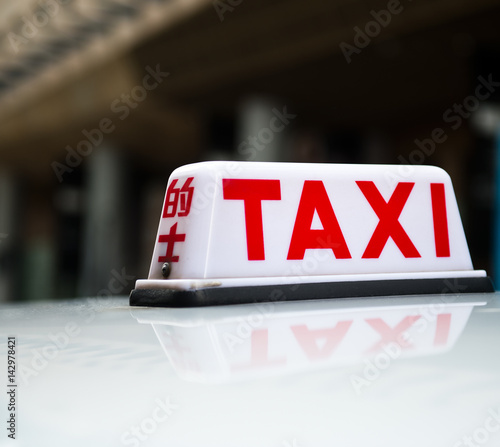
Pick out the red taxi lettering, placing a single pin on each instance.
(391, 335)
(441, 236)
(443, 324)
(321, 344)
(252, 192)
(308, 339)
(388, 213)
(259, 357)
(315, 198)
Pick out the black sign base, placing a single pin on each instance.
(216, 296)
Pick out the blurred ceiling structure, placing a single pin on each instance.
(65, 65)
(76, 57)
(47, 44)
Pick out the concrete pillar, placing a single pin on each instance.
(8, 208)
(38, 274)
(261, 132)
(487, 121)
(104, 247)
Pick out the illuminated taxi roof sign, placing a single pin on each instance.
(233, 232)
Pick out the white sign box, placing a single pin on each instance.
(243, 224)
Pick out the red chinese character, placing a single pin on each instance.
(171, 238)
(178, 198)
(186, 197)
(180, 353)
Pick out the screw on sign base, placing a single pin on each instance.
(166, 268)
(212, 296)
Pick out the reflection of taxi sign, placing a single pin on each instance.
(233, 232)
(248, 342)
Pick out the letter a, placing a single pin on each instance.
(315, 198)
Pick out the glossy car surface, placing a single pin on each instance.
(399, 371)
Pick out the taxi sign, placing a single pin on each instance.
(236, 232)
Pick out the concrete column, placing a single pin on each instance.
(261, 130)
(487, 121)
(8, 208)
(104, 246)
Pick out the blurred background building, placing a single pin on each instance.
(101, 100)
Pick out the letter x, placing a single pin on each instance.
(171, 238)
(391, 335)
(388, 213)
